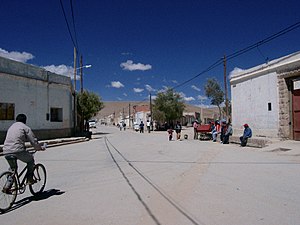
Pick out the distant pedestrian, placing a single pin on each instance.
(178, 130)
(142, 127)
(247, 134)
(170, 134)
(124, 126)
(148, 126)
(195, 125)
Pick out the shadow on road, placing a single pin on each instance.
(42, 196)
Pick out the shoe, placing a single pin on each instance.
(31, 181)
(7, 190)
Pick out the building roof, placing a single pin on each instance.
(12, 67)
(281, 65)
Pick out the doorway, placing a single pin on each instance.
(296, 109)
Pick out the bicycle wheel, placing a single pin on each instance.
(39, 175)
(7, 195)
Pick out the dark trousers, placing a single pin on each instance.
(226, 139)
(25, 157)
(195, 133)
(243, 141)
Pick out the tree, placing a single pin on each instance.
(88, 104)
(214, 92)
(168, 106)
(229, 111)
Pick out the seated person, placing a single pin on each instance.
(229, 132)
(247, 134)
(216, 130)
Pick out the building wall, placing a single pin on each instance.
(34, 91)
(250, 104)
(284, 109)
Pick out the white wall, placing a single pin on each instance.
(35, 98)
(250, 100)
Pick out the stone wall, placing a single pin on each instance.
(284, 109)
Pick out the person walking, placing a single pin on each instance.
(170, 134)
(142, 127)
(148, 126)
(178, 130)
(195, 125)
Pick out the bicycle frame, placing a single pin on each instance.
(21, 182)
(21, 177)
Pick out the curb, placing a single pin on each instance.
(54, 142)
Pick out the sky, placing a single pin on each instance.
(138, 47)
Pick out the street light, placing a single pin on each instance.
(85, 66)
(81, 77)
(81, 90)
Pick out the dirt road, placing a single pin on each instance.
(128, 178)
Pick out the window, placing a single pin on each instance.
(296, 84)
(7, 111)
(56, 115)
(269, 106)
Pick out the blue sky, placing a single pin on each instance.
(140, 46)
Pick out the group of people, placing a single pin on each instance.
(225, 130)
(178, 129)
(148, 125)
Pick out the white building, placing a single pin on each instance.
(267, 97)
(45, 97)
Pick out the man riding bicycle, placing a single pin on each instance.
(14, 145)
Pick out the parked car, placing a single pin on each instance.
(136, 126)
(92, 123)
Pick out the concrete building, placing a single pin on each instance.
(45, 97)
(267, 97)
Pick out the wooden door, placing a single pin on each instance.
(296, 114)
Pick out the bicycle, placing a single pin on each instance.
(19, 182)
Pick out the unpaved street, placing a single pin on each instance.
(128, 178)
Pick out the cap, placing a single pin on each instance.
(246, 125)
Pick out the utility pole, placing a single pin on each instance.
(151, 121)
(81, 77)
(75, 111)
(225, 85)
(129, 116)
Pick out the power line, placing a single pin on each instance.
(264, 41)
(214, 65)
(74, 28)
(243, 51)
(70, 33)
(240, 52)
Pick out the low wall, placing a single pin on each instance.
(44, 134)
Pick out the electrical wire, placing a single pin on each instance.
(70, 33)
(74, 28)
(243, 51)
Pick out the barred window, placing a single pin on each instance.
(7, 111)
